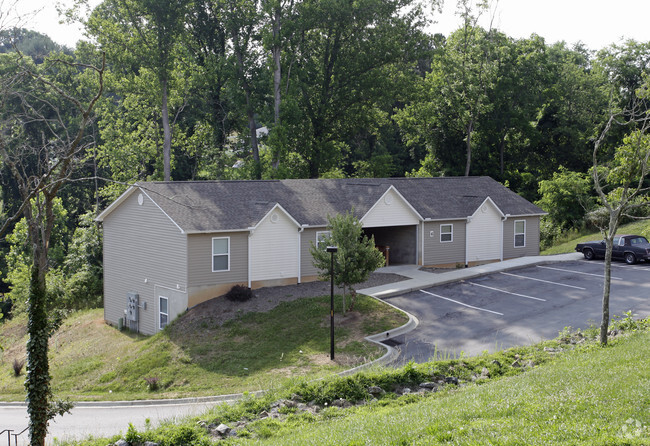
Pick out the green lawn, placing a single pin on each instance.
(641, 227)
(574, 392)
(93, 361)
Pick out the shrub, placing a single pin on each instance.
(18, 366)
(153, 382)
(239, 293)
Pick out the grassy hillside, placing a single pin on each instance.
(568, 244)
(91, 360)
(572, 392)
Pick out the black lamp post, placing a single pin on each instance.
(332, 250)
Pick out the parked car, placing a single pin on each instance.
(630, 248)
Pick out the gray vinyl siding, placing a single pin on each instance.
(436, 253)
(143, 249)
(199, 252)
(532, 238)
(307, 237)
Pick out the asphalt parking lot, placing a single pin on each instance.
(516, 307)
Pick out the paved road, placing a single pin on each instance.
(516, 307)
(100, 421)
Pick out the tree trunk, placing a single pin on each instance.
(470, 129)
(277, 77)
(502, 146)
(277, 71)
(604, 323)
(37, 382)
(167, 143)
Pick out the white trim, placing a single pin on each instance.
(422, 242)
(493, 204)
(217, 231)
(160, 312)
(127, 193)
(451, 225)
(277, 206)
(220, 254)
(299, 254)
(515, 233)
(382, 198)
(161, 210)
(248, 260)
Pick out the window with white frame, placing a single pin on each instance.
(520, 233)
(322, 237)
(163, 312)
(220, 254)
(446, 233)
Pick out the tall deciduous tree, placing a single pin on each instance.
(43, 121)
(143, 34)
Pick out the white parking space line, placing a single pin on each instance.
(576, 272)
(630, 267)
(507, 292)
(545, 281)
(464, 305)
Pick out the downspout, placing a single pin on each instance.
(503, 222)
(250, 234)
(299, 250)
(467, 244)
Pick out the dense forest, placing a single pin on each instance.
(261, 89)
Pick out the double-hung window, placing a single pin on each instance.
(164, 312)
(322, 237)
(446, 233)
(220, 254)
(520, 233)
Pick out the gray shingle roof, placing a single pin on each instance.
(205, 206)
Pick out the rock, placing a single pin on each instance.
(297, 398)
(222, 429)
(429, 386)
(376, 390)
(341, 403)
(451, 380)
(405, 391)
(485, 373)
(497, 363)
(263, 414)
(550, 350)
(150, 443)
(121, 442)
(515, 363)
(289, 403)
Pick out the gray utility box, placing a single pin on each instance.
(132, 301)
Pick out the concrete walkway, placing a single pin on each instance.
(422, 279)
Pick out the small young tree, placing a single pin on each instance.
(356, 257)
(621, 188)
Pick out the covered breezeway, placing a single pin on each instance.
(401, 241)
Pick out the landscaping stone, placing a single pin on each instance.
(451, 380)
(376, 390)
(121, 442)
(150, 443)
(429, 386)
(222, 430)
